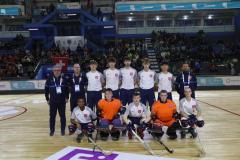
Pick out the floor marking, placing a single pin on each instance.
(24, 111)
(220, 108)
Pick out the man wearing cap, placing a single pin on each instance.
(57, 95)
(77, 83)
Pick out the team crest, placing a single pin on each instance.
(139, 111)
(85, 115)
(116, 75)
(131, 73)
(151, 75)
(96, 77)
(170, 78)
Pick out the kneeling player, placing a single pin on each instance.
(109, 109)
(163, 113)
(191, 114)
(136, 115)
(82, 117)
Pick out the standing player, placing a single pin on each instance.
(128, 81)
(186, 79)
(163, 113)
(112, 77)
(95, 82)
(136, 114)
(109, 109)
(165, 80)
(77, 84)
(83, 117)
(56, 87)
(191, 114)
(146, 83)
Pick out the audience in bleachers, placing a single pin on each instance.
(204, 54)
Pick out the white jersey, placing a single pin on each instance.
(112, 77)
(95, 80)
(165, 81)
(136, 111)
(189, 107)
(146, 79)
(84, 116)
(128, 78)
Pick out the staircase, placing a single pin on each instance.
(152, 55)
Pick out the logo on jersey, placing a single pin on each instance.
(131, 73)
(151, 75)
(170, 78)
(139, 111)
(85, 115)
(96, 77)
(194, 106)
(116, 75)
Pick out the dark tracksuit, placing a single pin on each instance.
(82, 82)
(116, 94)
(126, 96)
(185, 79)
(57, 101)
(147, 95)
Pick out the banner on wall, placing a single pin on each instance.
(217, 81)
(69, 5)
(159, 6)
(22, 85)
(71, 42)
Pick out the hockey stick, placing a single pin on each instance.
(95, 145)
(146, 146)
(107, 153)
(163, 144)
(202, 150)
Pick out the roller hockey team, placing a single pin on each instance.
(129, 106)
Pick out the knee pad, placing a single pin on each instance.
(143, 126)
(200, 123)
(184, 123)
(72, 128)
(90, 128)
(104, 134)
(171, 132)
(115, 133)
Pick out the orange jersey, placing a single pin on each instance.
(164, 112)
(109, 109)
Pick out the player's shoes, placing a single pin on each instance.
(130, 135)
(51, 133)
(79, 137)
(193, 132)
(183, 134)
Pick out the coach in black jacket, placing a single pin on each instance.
(77, 83)
(56, 87)
(185, 79)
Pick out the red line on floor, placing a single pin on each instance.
(220, 108)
